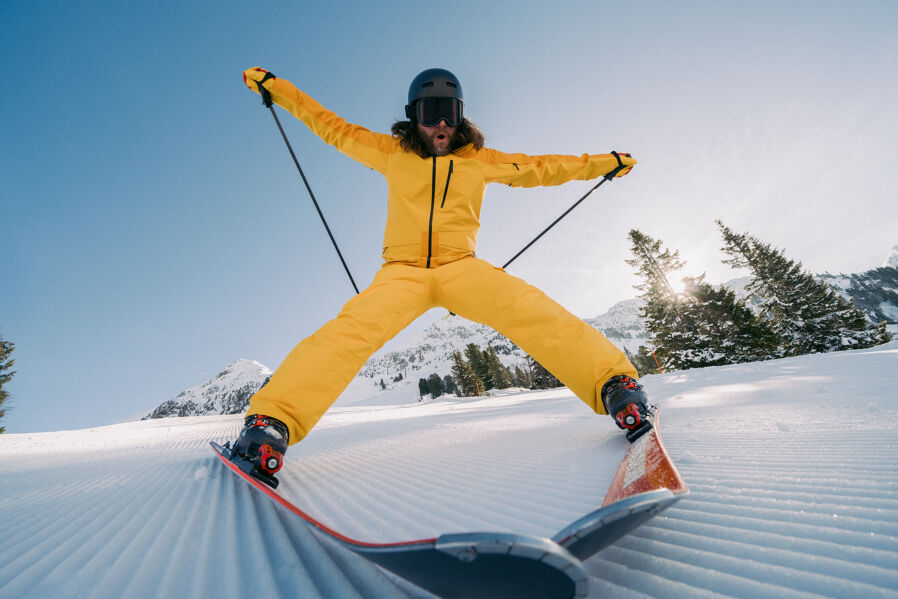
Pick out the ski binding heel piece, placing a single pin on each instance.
(634, 434)
(250, 467)
(270, 461)
(646, 424)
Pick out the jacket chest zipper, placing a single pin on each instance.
(433, 195)
(446, 189)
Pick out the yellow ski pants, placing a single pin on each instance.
(314, 374)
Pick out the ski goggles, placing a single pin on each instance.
(430, 111)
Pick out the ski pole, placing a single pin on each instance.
(607, 177)
(266, 101)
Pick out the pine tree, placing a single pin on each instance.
(642, 360)
(882, 333)
(6, 374)
(499, 375)
(423, 388)
(477, 360)
(703, 326)
(542, 378)
(466, 379)
(724, 329)
(665, 320)
(435, 385)
(449, 386)
(808, 315)
(653, 265)
(520, 378)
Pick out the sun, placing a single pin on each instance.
(678, 284)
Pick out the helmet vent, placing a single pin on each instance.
(428, 84)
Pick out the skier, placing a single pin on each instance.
(436, 166)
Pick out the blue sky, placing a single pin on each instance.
(153, 228)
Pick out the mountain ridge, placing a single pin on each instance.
(390, 377)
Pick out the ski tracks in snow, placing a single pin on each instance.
(155, 517)
(792, 467)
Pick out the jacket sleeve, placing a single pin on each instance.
(360, 144)
(523, 170)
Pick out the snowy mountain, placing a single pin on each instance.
(874, 292)
(792, 467)
(432, 350)
(227, 393)
(391, 377)
(892, 259)
(622, 324)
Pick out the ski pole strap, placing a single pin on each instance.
(266, 95)
(609, 176)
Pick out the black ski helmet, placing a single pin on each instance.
(432, 83)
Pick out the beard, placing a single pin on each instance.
(440, 141)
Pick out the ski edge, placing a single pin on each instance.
(221, 452)
(461, 548)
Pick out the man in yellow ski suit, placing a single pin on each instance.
(433, 216)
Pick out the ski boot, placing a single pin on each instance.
(259, 450)
(627, 403)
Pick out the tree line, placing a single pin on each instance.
(476, 371)
(707, 325)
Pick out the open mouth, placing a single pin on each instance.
(441, 136)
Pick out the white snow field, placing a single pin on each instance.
(792, 467)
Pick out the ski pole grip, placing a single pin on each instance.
(620, 166)
(266, 95)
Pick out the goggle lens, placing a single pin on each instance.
(430, 111)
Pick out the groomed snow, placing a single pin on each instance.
(792, 467)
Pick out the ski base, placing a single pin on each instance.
(487, 566)
(596, 531)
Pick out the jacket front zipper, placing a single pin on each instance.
(433, 195)
(433, 191)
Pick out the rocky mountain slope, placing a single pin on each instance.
(390, 377)
(226, 393)
(874, 292)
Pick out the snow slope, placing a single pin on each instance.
(792, 466)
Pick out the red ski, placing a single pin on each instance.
(646, 483)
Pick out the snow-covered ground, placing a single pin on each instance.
(792, 466)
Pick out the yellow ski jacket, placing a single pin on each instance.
(433, 204)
